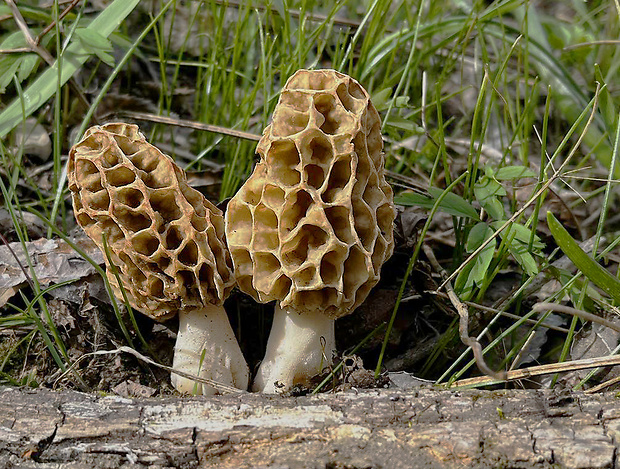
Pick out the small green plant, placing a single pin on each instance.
(516, 241)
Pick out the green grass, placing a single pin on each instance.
(472, 94)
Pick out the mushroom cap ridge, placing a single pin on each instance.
(313, 224)
(166, 238)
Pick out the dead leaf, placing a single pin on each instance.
(408, 223)
(52, 260)
(33, 139)
(35, 227)
(596, 341)
(592, 342)
(130, 388)
(60, 314)
(530, 353)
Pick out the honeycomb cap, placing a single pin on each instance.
(165, 237)
(313, 224)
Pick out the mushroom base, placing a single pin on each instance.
(298, 348)
(207, 347)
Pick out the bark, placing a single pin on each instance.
(387, 428)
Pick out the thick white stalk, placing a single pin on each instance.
(298, 348)
(207, 331)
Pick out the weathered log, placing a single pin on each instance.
(385, 428)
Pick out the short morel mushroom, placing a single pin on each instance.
(167, 241)
(313, 224)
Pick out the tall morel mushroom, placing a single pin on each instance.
(167, 242)
(313, 224)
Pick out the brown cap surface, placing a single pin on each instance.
(166, 239)
(313, 224)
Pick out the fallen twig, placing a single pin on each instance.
(219, 386)
(471, 342)
(556, 367)
(575, 312)
(34, 46)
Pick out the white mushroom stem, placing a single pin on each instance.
(298, 348)
(207, 347)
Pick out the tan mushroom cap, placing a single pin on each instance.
(313, 224)
(165, 237)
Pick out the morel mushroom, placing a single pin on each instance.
(313, 224)
(167, 241)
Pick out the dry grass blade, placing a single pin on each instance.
(145, 116)
(539, 370)
(602, 386)
(219, 386)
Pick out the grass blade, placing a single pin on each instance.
(451, 203)
(588, 266)
(44, 87)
